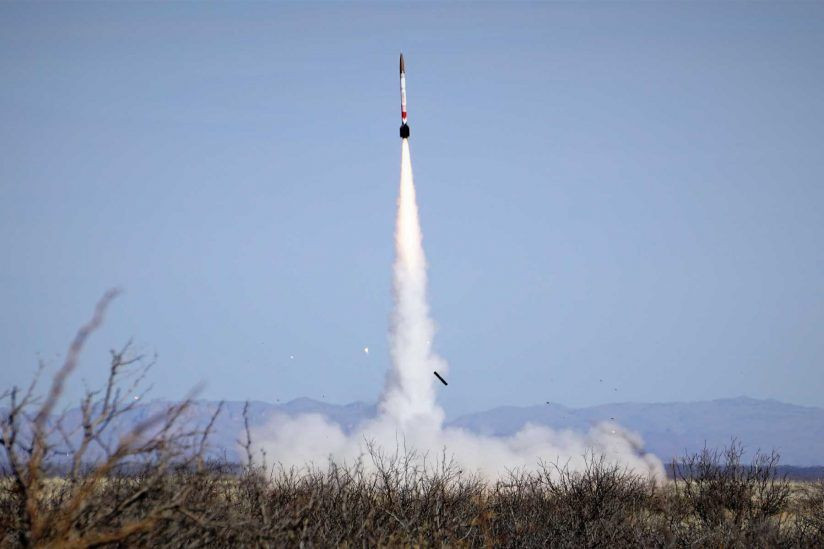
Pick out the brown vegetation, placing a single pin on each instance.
(152, 487)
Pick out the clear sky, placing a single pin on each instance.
(620, 202)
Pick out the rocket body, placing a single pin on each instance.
(404, 125)
(403, 91)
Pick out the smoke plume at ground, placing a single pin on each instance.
(409, 417)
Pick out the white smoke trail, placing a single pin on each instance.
(409, 394)
(408, 411)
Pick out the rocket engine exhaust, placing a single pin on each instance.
(408, 412)
(410, 392)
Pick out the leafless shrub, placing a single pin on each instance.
(602, 503)
(809, 512)
(720, 489)
(151, 486)
(41, 510)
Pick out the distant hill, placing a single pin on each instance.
(669, 429)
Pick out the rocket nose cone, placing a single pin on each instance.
(402, 68)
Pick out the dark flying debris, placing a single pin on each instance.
(437, 375)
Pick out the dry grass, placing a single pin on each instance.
(215, 505)
(151, 487)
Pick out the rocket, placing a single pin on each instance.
(404, 125)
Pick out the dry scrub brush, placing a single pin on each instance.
(42, 509)
(149, 487)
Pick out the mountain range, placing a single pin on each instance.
(669, 430)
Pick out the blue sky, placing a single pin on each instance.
(620, 202)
